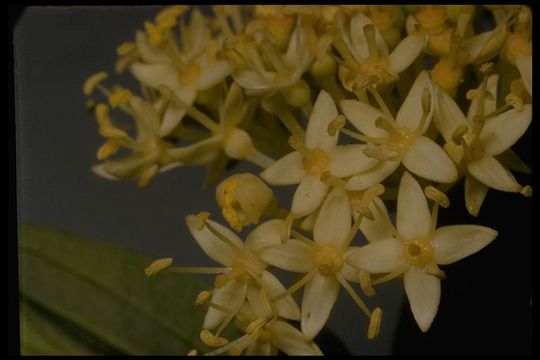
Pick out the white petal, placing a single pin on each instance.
(359, 39)
(286, 307)
(346, 160)
(148, 53)
(99, 170)
(381, 226)
(146, 117)
(475, 193)
(474, 45)
(293, 256)
(291, 341)
(413, 216)
(349, 273)
(424, 293)
(267, 233)
(324, 111)
(410, 113)
(502, 131)
(406, 52)
(334, 221)
(447, 115)
(297, 46)
(197, 35)
(453, 243)
(212, 245)
(308, 196)
(229, 296)
(524, 65)
(174, 112)
(363, 117)
(128, 166)
(382, 256)
(286, 171)
(201, 152)
(490, 105)
(490, 172)
(155, 74)
(214, 74)
(320, 295)
(373, 176)
(253, 82)
(428, 160)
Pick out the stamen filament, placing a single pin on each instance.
(220, 236)
(259, 158)
(381, 103)
(296, 286)
(274, 57)
(369, 32)
(353, 294)
(299, 146)
(361, 137)
(303, 238)
(228, 319)
(199, 270)
(389, 276)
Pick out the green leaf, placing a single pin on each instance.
(86, 297)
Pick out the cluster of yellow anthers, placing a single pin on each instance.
(211, 84)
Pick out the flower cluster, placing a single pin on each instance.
(360, 107)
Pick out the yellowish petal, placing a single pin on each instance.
(447, 115)
(406, 52)
(154, 75)
(490, 172)
(373, 176)
(320, 295)
(285, 307)
(266, 234)
(424, 293)
(410, 113)
(383, 256)
(453, 243)
(381, 226)
(502, 131)
(229, 296)
(475, 193)
(213, 74)
(293, 256)
(347, 160)
(308, 196)
(428, 160)
(363, 117)
(413, 216)
(324, 112)
(334, 221)
(291, 341)
(286, 171)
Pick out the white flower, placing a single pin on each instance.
(401, 140)
(317, 155)
(323, 261)
(416, 248)
(241, 265)
(265, 331)
(365, 53)
(187, 72)
(480, 140)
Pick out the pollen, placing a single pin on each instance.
(120, 97)
(327, 259)
(400, 141)
(418, 252)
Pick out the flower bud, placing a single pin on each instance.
(243, 199)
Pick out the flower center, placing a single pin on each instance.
(317, 163)
(418, 252)
(189, 74)
(400, 140)
(377, 66)
(328, 260)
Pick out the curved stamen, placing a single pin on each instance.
(353, 294)
(296, 286)
(369, 33)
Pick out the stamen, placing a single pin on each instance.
(353, 294)
(147, 174)
(434, 215)
(381, 153)
(373, 90)
(387, 125)
(364, 138)
(363, 209)
(436, 195)
(106, 150)
(365, 283)
(272, 53)
(514, 101)
(527, 191)
(426, 105)
(331, 180)
(93, 81)
(199, 270)
(374, 323)
(433, 269)
(296, 286)
(459, 133)
(204, 297)
(221, 237)
(125, 48)
(211, 340)
(369, 32)
(287, 226)
(157, 266)
(303, 238)
(256, 325)
(336, 125)
(228, 318)
(299, 146)
(389, 276)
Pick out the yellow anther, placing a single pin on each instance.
(380, 153)
(193, 352)
(365, 283)
(515, 101)
(372, 192)
(107, 150)
(374, 323)
(203, 297)
(362, 208)
(211, 340)
(527, 191)
(125, 48)
(120, 97)
(112, 132)
(91, 83)
(154, 33)
(202, 217)
(336, 125)
(436, 195)
(147, 174)
(102, 115)
(157, 266)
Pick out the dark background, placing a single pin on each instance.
(486, 304)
